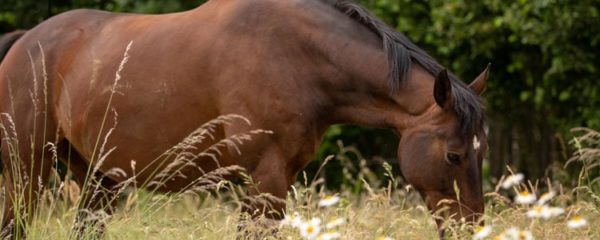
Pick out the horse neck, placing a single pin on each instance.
(360, 90)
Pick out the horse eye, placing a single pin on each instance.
(453, 158)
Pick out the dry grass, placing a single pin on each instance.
(367, 216)
(380, 210)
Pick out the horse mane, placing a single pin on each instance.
(401, 53)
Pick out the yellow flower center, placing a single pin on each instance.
(310, 229)
(545, 195)
(525, 193)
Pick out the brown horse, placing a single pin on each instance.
(292, 67)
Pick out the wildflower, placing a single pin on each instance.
(330, 235)
(576, 222)
(311, 229)
(511, 233)
(295, 220)
(329, 201)
(545, 197)
(537, 212)
(334, 223)
(512, 180)
(555, 211)
(525, 235)
(545, 212)
(482, 232)
(525, 197)
(384, 238)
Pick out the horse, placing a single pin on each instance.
(291, 68)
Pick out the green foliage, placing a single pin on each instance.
(377, 145)
(154, 6)
(21, 14)
(547, 50)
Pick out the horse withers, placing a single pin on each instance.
(290, 67)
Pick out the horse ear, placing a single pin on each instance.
(442, 90)
(478, 85)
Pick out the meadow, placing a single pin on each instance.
(384, 209)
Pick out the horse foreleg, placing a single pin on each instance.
(268, 191)
(95, 209)
(97, 203)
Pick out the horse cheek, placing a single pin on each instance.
(419, 162)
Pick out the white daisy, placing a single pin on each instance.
(329, 201)
(536, 212)
(294, 220)
(482, 232)
(555, 211)
(545, 198)
(525, 235)
(311, 229)
(545, 212)
(384, 238)
(502, 236)
(329, 235)
(576, 222)
(525, 197)
(512, 180)
(511, 233)
(334, 223)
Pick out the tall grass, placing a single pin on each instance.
(376, 212)
(587, 154)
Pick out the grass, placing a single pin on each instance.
(142, 215)
(380, 210)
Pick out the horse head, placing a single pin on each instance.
(441, 154)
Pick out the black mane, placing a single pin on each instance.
(401, 53)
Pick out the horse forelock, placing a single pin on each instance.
(468, 106)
